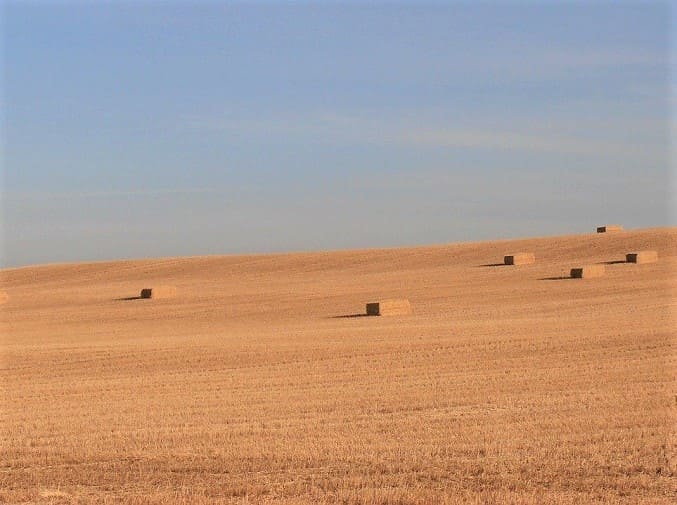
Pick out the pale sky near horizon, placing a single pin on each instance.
(149, 129)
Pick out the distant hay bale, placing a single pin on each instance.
(159, 292)
(642, 257)
(520, 259)
(609, 228)
(4, 297)
(588, 272)
(389, 308)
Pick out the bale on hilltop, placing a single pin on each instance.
(642, 257)
(609, 228)
(520, 259)
(588, 272)
(159, 292)
(389, 308)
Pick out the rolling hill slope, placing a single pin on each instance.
(259, 383)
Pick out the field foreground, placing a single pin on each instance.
(506, 384)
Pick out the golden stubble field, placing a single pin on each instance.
(505, 384)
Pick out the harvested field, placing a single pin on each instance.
(503, 385)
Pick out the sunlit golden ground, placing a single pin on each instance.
(505, 385)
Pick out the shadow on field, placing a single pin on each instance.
(614, 262)
(128, 298)
(492, 265)
(349, 316)
(560, 278)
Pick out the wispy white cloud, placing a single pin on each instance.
(572, 58)
(514, 140)
(69, 195)
(601, 138)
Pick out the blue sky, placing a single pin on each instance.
(160, 129)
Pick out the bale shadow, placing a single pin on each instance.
(614, 262)
(493, 265)
(560, 278)
(350, 316)
(128, 298)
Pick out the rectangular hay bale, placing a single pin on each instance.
(609, 228)
(642, 257)
(520, 259)
(159, 292)
(587, 272)
(389, 308)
